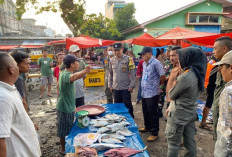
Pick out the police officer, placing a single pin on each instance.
(110, 54)
(122, 77)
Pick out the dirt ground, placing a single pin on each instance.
(43, 113)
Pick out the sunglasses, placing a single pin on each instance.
(220, 66)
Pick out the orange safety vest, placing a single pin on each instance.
(210, 66)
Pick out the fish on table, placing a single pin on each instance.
(105, 146)
(103, 130)
(111, 141)
(125, 132)
(122, 152)
(119, 137)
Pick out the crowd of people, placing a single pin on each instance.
(175, 78)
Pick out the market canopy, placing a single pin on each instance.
(9, 47)
(208, 41)
(146, 40)
(181, 33)
(56, 42)
(85, 41)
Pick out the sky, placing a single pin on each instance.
(145, 11)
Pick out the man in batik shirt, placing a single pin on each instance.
(223, 146)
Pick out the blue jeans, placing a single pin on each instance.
(140, 90)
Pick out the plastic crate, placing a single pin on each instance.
(96, 77)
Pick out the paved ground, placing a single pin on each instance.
(43, 113)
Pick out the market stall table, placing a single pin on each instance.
(134, 141)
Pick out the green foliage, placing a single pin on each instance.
(1, 1)
(125, 18)
(72, 12)
(100, 27)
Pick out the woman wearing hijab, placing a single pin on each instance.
(182, 111)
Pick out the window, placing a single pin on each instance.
(192, 19)
(214, 19)
(203, 19)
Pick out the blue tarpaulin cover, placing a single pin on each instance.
(200, 108)
(134, 142)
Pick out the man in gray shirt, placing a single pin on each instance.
(122, 77)
(80, 100)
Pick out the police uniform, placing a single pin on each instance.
(108, 93)
(121, 78)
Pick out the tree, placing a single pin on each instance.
(125, 18)
(100, 27)
(72, 12)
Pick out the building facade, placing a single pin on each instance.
(9, 25)
(111, 7)
(202, 16)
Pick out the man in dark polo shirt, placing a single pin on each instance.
(23, 63)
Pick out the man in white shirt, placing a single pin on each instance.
(18, 137)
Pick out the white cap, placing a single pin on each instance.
(74, 48)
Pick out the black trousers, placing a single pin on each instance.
(124, 96)
(80, 101)
(150, 114)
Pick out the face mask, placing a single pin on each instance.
(110, 53)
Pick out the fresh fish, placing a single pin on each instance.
(103, 130)
(122, 152)
(125, 132)
(116, 126)
(119, 137)
(111, 141)
(105, 146)
(93, 121)
(102, 119)
(109, 117)
(114, 117)
(100, 124)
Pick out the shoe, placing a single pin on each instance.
(152, 138)
(144, 130)
(160, 113)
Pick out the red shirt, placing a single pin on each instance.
(56, 72)
(140, 68)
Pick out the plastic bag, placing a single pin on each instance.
(85, 139)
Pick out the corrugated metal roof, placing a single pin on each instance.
(34, 42)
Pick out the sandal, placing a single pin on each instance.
(40, 97)
(205, 126)
(61, 153)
